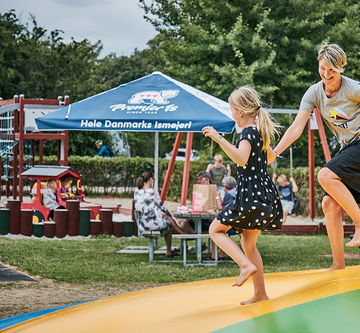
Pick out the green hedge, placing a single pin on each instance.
(106, 175)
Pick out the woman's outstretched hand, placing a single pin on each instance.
(210, 132)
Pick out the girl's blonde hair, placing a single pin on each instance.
(247, 100)
(51, 183)
(334, 56)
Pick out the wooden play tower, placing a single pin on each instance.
(17, 128)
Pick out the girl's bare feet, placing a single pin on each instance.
(255, 299)
(356, 239)
(336, 267)
(245, 273)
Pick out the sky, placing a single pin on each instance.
(119, 24)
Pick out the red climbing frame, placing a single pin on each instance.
(19, 104)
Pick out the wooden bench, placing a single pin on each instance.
(153, 241)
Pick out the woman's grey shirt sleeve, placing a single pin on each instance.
(308, 101)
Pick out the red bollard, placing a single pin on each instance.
(118, 228)
(95, 227)
(73, 206)
(105, 216)
(61, 217)
(26, 225)
(14, 218)
(49, 229)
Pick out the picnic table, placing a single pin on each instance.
(197, 217)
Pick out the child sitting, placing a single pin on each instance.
(49, 198)
(65, 182)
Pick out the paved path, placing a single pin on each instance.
(7, 274)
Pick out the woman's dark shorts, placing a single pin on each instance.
(346, 165)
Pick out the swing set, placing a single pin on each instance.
(314, 123)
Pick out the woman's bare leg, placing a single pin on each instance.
(174, 225)
(218, 234)
(248, 242)
(335, 231)
(332, 184)
(168, 243)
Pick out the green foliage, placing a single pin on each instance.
(113, 71)
(40, 65)
(271, 45)
(213, 46)
(118, 176)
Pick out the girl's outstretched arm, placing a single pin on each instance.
(293, 132)
(239, 155)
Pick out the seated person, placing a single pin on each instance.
(49, 199)
(287, 189)
(218, 172)
(153, 215)
(65, 183)
(229, 186)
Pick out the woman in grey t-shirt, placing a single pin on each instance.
(338, 99)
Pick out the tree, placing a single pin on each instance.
(40, 65)
(271, 45)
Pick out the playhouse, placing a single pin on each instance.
(43, 173)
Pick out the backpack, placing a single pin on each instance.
(111, 153)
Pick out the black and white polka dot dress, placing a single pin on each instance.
(257, 205)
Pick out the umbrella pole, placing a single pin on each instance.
(185, 183)
(156, 162)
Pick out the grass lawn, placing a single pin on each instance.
(96, 260)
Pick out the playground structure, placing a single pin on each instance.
(46, 172)
(18, 133)
(17, 118)
(305, 301)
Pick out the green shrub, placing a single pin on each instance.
(117, 176)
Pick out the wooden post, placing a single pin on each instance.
(14, 216)
(73, 206)
(26, 225)
(49, 229)
(41, 151)
(61, 217)
(95, 227)
(105, 216)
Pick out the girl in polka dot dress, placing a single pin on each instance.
(257, 206)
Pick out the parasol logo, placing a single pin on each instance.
(153, 97)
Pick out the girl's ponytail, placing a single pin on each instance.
(267, 127)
